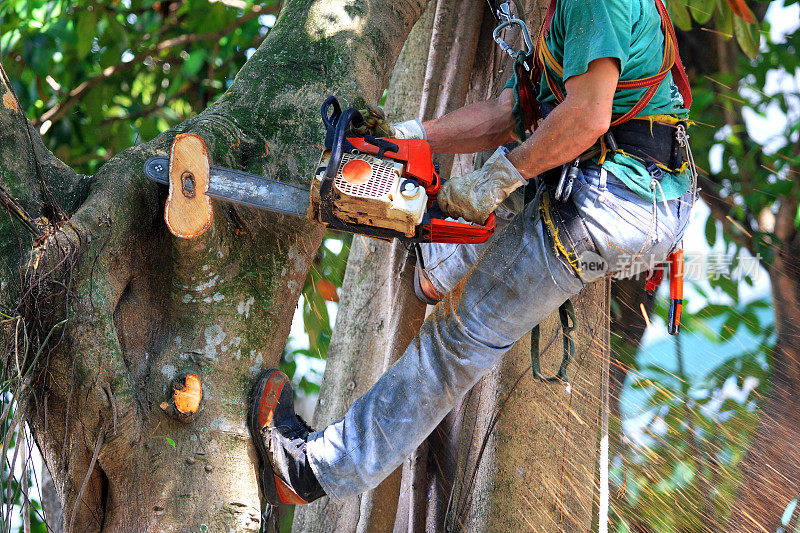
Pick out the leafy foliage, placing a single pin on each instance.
(696, 427)
(730, 17)
(320, 290)
(98, 77)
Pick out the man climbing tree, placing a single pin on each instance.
(613, 195)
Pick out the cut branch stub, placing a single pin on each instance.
(185, 401)
(188, 213)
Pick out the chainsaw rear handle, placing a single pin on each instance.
(435, 228)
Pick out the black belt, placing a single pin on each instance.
(652, 142)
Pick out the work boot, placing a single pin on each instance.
(285, 475)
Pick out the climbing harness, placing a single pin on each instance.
(546, 65)
(660, 142)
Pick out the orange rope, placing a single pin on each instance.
(547, 63)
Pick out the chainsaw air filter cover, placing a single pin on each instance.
(372, 191)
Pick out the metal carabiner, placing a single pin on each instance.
(568, 175)
(506, 20)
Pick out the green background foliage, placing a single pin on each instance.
(98, 77)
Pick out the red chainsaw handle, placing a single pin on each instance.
(440, 230)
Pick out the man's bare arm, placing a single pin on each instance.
(575, 124)
(480, 126)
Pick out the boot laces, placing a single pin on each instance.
(302, 428)
(297, 431)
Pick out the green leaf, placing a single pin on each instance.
(194, 63)
(711, 231)
(747, 36)
(171, 442)
(680, 14)
(86, 23)
(725, 18)
(702, 10)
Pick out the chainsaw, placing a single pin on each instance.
(382, 188)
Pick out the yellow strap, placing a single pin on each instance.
(603, 150)
(544, 207)
(547, 58)
(679, 170)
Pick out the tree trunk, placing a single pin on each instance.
(377, 318)
(53, 513)
(538, 469)
(771, 469)
(540, 450)
(144, 309)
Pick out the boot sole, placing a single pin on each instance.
(265, 391)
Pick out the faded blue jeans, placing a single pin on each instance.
(496, 293)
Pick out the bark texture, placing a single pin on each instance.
(538, 441)
(537, 471)
(143, 309)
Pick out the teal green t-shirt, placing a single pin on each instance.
(630, 31)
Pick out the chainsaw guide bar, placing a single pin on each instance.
(242, 188)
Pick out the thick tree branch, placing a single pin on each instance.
(721, 210)
(37, 187)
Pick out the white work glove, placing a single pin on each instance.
(410, 129)
(476, 195)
